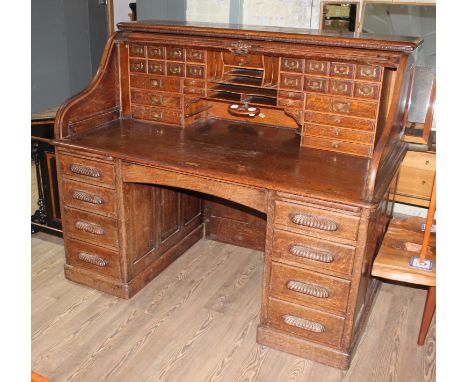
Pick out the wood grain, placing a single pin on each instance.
(196, 322)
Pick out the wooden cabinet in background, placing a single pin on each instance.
(416, 178)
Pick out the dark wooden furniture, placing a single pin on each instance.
(47, 217)
(167, 143)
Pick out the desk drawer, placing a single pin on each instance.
(88, 197)
(248, 60)
(87, 170)
(93, 258)
(341, 106)
(292, 64)
(306, 251)
(337, 145)
(315, 220)
(339, 121)
(305, 287)
(91, 228)
(168, 84)
(307, 323)
(337, 133)
(290, 81)
(157, 114)
(156, 99)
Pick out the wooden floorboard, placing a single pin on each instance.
(197, 322)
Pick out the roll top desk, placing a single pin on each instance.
(299, 131)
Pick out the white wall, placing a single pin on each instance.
(121, 11)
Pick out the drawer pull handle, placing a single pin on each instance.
(369, 72)
(177, 53)
(290, 81)
(302, 323)
(196, 55)
(155, 99)
(88, 198)
(156, 52)
(340, 88)
(312, 221)
(138, 66)
(341, 69)
(365, 91)
(195, 71)
(95, 229)
(311, 253)
(310, 289)
(291, 64)
(92, 259)
(156, 83)
(340, 107)
(314, 85)
(175, 70)
(156, 68)
(86, 171)
(318, 66)
(155, 116)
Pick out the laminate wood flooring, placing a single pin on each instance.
(197, 322)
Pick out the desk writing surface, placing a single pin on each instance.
(252, 154)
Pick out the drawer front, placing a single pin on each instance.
(341, 106)
(93, 258)
(317, 67)
(156, 83)
(175, 54)
(337, 133)
(157, 114)
(194, 91)
(337, 145)
(194, 83)
(137, 66)
(366, 90)
(290, 81)
(313, 253)
(88, 197)
(156, 52)
(339, 121)
(175, 69)
(195, 71)
(87, 170)
(196, 55)
(344, 88)
(156, 67)
(297, 96)
(340, 69)
(250, 60)
(316, 220)
(307, 323)
(292, 64)
(288, 102)
(305, 287)
(156, 99)
(315, 84)
(136, 50)
(368, 72)
(91, 228)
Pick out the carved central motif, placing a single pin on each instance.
(240, 48)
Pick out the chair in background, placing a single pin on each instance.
(409, 255)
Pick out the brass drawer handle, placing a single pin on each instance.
(318, 66)
(311, 253)
(302, 323)
(341, 69)
(313, 221)
(86, 171)
(138, 66)
(369, 72)
(155, 52)
(88, 198)
(95, 229)
(365, 91)
(155, 99)
(309, 289)
(291, 64)
(156, 68)
(340, 106)
(156, 116)
(290, 81)
(156, 83)
(195, 71)
(196, 55)
(340, 88)
(92, 259)
(176, 53)
(137, 50)
(314, 85)
(175, 69)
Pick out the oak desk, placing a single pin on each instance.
(298, 131)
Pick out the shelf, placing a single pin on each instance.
(251, 91)
(245, 72)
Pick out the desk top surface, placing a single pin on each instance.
(249, 154)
